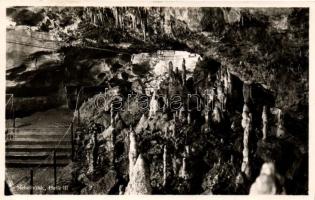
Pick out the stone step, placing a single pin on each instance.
(37, 148)
(35, 155)
(35, 163)
(38, 132)
(38, 141)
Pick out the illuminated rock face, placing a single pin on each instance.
(139, 183)
(159, 61)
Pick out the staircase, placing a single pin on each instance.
(33, 147)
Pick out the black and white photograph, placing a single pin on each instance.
(156, 100)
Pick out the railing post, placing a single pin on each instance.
(72, 141)
(31, 181)
(55, 173)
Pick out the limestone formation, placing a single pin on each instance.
(142, 124)
(189, 120)
(280, 128)
(246, 124)
(183, 171)
(216, 115)
(139, 181)
(132, 150)
(265, 183)
(89, 156)
(170, 69)
(182, 114)
(212, 96)
(109, 136)
(264, 122)
(154, 105)
(184, 72)
(221, 97)
(247, 92)
(164, 165)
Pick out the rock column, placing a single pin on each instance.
(246, 124)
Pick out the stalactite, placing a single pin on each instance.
(247, 92)
(221, 97)
(184, 72)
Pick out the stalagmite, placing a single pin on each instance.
(206, 117)
(154, 105)
(90, 158)
(183, 171)
(265, 122)
(132, 150)
(265, 183)
(176, 72)
(280, 128)
(121, 190)
(246, 124)
(170, 70)
(164, 165)
(189, 117)
(182, 114)
(216, 115)
(139, 182)
(142, 124)
(206, 126)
